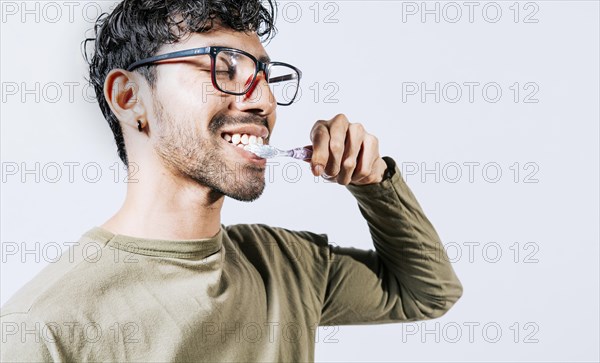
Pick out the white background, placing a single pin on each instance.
(532, 272)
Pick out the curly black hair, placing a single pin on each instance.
(136, 29)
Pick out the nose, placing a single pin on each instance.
(259, 99)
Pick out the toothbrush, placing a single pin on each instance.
(268, 151)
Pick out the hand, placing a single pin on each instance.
(345, 152)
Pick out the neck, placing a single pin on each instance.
(166, 206)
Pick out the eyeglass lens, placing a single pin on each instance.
(234, 72)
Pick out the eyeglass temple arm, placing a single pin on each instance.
(178, 54)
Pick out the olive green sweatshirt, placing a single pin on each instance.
(250, 293)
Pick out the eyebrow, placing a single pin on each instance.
(264, 59)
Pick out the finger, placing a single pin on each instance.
(352, 147)
(367, 159)
(319, 136)
(338, 128)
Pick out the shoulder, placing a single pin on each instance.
(253, 232)
(61, 284)
(298, 260)
(23, 339)
(277, 246)
(277, 238)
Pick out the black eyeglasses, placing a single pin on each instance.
(234, 71)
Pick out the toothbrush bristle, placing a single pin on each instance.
(263, 151)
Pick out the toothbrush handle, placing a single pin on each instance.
(301, 153)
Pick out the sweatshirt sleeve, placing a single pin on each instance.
(407, 276)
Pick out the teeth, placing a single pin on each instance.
(243, 139)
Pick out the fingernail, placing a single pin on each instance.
(318, 169)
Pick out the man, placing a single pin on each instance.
(184, 86)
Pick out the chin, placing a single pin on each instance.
(247, 194)
(245, 198)
(246, 189)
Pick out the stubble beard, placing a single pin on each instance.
(200, 156)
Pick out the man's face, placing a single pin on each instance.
(194, 121)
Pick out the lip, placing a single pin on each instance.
(256, 130)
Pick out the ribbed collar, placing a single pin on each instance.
(188, 248)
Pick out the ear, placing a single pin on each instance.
(122, 93)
